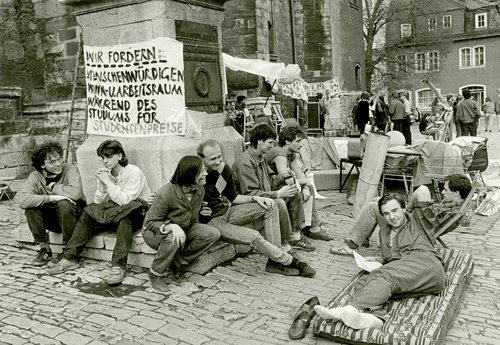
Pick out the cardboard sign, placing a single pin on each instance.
(136, 90)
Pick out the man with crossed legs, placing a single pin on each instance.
(229, 212)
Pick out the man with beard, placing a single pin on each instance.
(52, 198)
(284, 160)
(254, 177)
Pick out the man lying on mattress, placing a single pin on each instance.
(411, 265)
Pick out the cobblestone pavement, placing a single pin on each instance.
(237, 303)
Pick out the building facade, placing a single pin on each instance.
(471, 32)
(324, 37)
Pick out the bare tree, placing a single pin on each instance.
(390, 51)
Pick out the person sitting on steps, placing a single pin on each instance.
(284, 160)
(119, 204)
(52, 198)
(230, 212)
(253, 176)
(172, 224)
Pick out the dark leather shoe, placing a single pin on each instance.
(303, 318)
(299, 326)
(304, 269)
(178, 274)
(309, 306)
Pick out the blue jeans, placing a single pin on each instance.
(232, 230)
(86, 227)
(57, 217)
(199, 238)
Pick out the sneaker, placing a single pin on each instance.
(320, 235)
(178, 275)
(115, 276)
(302, 244)
(158, 283)
(63, 266)
(276, 267)
(304, 269)
(55, 260)
(44, 255)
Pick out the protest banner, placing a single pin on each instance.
(300, 89)
(136, 90)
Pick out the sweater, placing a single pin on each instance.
(35, 192)
(130, 184)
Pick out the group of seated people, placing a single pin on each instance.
(206, 200)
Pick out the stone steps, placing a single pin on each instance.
(100, 247)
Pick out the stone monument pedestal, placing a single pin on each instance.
(158, 156)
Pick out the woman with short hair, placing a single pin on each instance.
(172, 224)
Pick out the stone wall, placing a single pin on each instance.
(338, 123)
(38, 44)
(316, 40)
(239, 39)
(38, 124)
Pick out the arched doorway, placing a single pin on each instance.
(357, 76)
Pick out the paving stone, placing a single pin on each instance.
(13, 339)
(21, 322)
(128, 328)
(72, 338)
(43, 340)
(184, 335)
(160, 339)
(120, 314)
(146, 322)
(50, 331)
(100, 319)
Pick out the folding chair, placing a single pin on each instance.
(5, 187)
(461, 213)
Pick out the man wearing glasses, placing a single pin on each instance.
(52, 198)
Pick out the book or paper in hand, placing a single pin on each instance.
(364, 264)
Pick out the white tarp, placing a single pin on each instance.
(269, 70)
(285, 79)
(136, 90)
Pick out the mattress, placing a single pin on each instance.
(413, 321)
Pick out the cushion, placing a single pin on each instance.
(417, 321)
